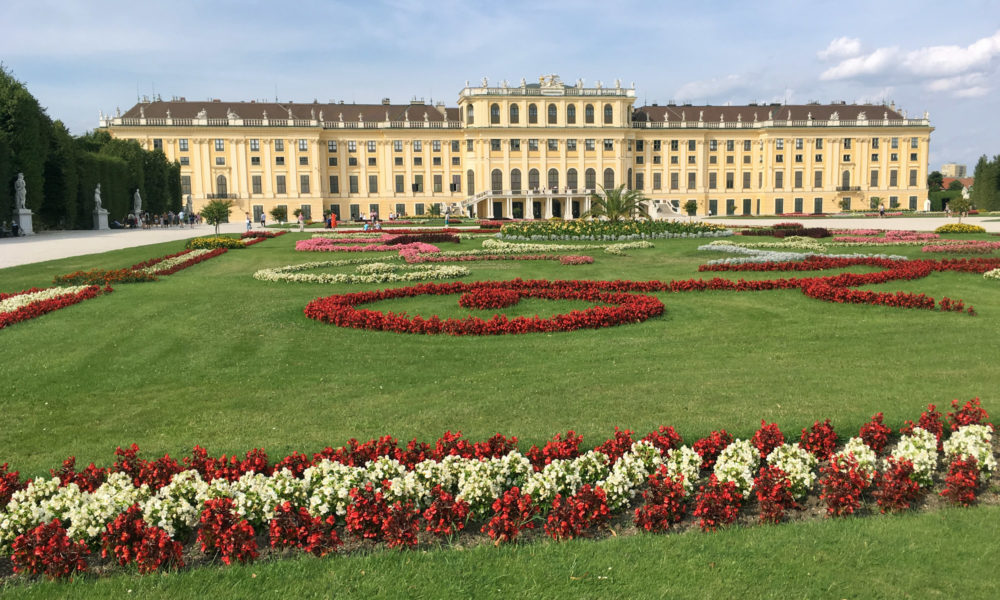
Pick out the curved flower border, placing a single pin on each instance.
(44, 301)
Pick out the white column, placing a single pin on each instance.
(529, 208)
(508, 207)
(548, 207)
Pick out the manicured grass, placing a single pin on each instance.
(211, 356)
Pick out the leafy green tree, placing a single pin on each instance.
(955, 186)
(6, 180)
(691, 207)
(60, 194)
(986, 188)
(280, 213)
(28, 130)
(216, 212)
(960, 206)
(874, 201)
(617, 204)
(935, 181)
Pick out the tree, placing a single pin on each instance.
(960, 206)
(955, 186)
(617, 204)
(844, 204)
(59, 205)
(216, 212)
(874, 201)
(691, 208)
(280, 213)
(986, 189)
(935, 181)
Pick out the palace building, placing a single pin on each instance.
(535, 150)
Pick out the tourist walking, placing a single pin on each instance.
(263, 222)
(302, 222)
(249, 222)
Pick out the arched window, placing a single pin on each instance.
(496, 181)
(494, 114)
(590, 179)
(468, 115)
(628, 184)
(515, 114)
(609, 179)
(609, 114)
(552, 114)
(553, 179)
(470, 183)
(571, 181)
(533, 179)
(532, 114)
(515, 181)
(588, 114)
(571, 114)
(220, 186)
(845, 179)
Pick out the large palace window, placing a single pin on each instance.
(588, 114)
(571, 114)
(609, 179)
(532, 114)
(494, 114)
(468, 115)
(608, 114)
(552, 114)
(515, 114)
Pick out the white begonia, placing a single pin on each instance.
(629, 473)
(686, 462)
(992, 274)
(798, 464)
(920, 448)
(566, 476)
(975, 441)
(177, 506)
(865, 457)
(383, 468)
(24, 511)
(480, 482)
(327, 485)
(89, 514)
(255, 496)
(738, 463)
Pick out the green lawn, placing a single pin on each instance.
(211, 356)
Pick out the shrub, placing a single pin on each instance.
(664, 502)
(664, 439)
(842, 483)
(445, 516)
(513, 512)
(366, 512)
(972, 413)
(210, 243)
(717, 504)
(400, 525)
(930, 420)
(767, 438)
(710, 447)
(875, 433)
(222, 533)
(962, 481)
(959, 228)
(294, 527)
(47, 550)
(820, 439)
(572, 515)
(774, 493)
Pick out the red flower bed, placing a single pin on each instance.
(572, 516)
(624, 308)
(774, 494)
(489, 299)
(962, 481)
(664, 503)
(512, 513)
(717, 504)
(262, 234)
(36, 309)
(47, 550)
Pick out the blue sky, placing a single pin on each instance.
(81, 57)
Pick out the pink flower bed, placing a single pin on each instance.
(326, 245)
(964, 247)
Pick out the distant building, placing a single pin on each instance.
(535, 150)
(953, 170)
(965, 181)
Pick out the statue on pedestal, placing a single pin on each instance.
(97, 198)
(100, 215)
(20, 192)
(136, 202)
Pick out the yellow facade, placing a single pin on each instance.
(535, 151)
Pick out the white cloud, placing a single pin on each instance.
(958, 82)
(842, 47)
(879, 61)
(972, 92)
(947, 60)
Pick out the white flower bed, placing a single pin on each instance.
(738, 463)
(798, 464)
(757, 255)
(566, 476)
(994, 274)
(369, 271)
(975, 441)
(920, 448)
(686, 462)
(495, 246)
(630, 473)
(21, 300)
(169, 263)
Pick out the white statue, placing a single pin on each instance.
(320, 115)
(20, 192)
(202, 114)
(136, 202)
(231, 115)
(523, 82)
(290, 113)
(97, 198)
(486, 82)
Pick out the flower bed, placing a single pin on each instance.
(607, 230)
(959, 228)
(103, 277)
(258, 233)
(964, 247)
(992, 274)
(380, 491)
(329, 245)
(34, 302)
(212, 242)
(341, 309)
(367, 272)
(170, 264)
